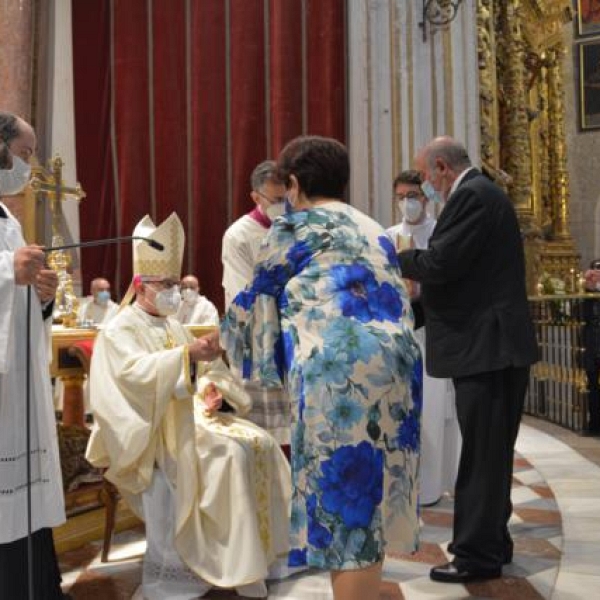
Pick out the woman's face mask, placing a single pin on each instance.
(13, 180)
(167, 301)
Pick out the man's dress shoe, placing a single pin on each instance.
(452, 573)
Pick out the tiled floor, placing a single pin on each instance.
(555, 526)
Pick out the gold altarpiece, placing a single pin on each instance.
(523, 146)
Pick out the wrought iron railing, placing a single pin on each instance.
(558, 386)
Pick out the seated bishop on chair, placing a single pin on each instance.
(212, 488)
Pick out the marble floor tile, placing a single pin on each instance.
(554, 526)
(543, 581)
(575, 586)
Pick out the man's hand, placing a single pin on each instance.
(213, 399)
(206, 347)
(29, 261)
(46, 284)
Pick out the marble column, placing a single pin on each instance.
(403, 91)
(16, 65)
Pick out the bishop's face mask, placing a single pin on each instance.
(13, 180)
(167, 301)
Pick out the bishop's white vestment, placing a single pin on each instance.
(241, 246)
(440, 434)
(218, 485)
(47, 494)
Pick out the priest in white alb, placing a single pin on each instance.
(212, 488)
(22, 267)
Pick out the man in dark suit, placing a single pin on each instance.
(479, 333)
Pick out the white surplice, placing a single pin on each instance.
(224, 482)
(201, 312)
(48, 508)
(241, 246)
(97, 313)
(239, 254)
(440, 434)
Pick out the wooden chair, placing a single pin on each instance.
(107, 492)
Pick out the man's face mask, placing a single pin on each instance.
(189, 295)
(430, 192)
(167, 301)
(103, 297)
(411, 209)
(13, 180)
(275, 210)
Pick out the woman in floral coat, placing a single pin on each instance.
(327, 313)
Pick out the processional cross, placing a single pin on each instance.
(49, 182)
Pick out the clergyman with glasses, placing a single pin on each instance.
(204, 481)
(241, 245)
(440, 436)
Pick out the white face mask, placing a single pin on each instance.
(411, 209)
(275, 210)
(13, 180)
(167, 301)
(189, 296)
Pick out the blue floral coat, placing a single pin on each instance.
(328, 315)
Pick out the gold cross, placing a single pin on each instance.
(49, 181)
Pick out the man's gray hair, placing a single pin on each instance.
(452, 152)
(9, 127)
(263, 172)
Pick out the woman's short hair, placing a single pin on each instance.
(320, 165)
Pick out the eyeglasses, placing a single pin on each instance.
(276, 200)
(165, 284)
(409, 196)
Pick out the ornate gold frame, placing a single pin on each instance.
(523, 144)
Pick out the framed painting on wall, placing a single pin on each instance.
(589, 84)
(588, 17)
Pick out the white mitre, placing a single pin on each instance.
(150, 262)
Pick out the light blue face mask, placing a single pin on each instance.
(103, 297)
(431, 193)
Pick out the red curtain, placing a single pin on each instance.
(176, 101)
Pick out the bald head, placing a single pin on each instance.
(99, 285)
(447, 149)
(190, 282)
(440, 162)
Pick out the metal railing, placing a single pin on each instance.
(558, 385)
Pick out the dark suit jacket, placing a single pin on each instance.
(473, 284)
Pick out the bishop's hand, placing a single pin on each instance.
(205, 348)
(212, 397)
